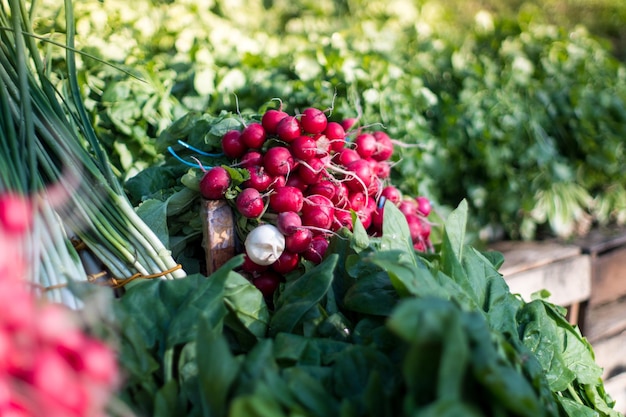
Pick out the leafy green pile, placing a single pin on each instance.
(375, 329)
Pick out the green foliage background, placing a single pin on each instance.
(520, 110)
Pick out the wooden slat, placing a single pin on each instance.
(609, 277)
(605, 321)
(521, 256)
(598, 240)
(219, 238)
(568, 280)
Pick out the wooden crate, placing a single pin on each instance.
(607, 250)
(558, 268)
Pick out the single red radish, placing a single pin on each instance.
(304, 147)
(336, 136)
(270, 120)
(267, 282)
(423, 205)
(250, 203)
(288, 129)
(316, 250)
(299, 241)
(365, 145)
(214, 183)
(232, 145)
(278, 161)
(259, 178)
(286, 198)
(313, 120)
(286, 262)
(253, 136)
(288, 222)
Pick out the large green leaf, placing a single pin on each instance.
(302, 294)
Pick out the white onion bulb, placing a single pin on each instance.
(264, 244)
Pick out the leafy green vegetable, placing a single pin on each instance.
(375, 329)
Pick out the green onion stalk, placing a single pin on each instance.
(49, 151)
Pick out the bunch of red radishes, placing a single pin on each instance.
(307, 177)
(48, 365)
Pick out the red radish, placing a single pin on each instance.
(374, 187)
(277, 182)
(278, 161)
(304, 147)
(377, 220)
(288, 222)
(214, 183)
(415, 226)
(299, 241)
(253, 136)
(288, 129)
(250, 203)
(343, 218)
(267, 282)
(426, 229)
(286, 198)
(357, 200)
(341, 197)
(318, 211)
(383, 170)
(251, 267)
(423, 205)
(366, 218)
(384, 146)
(419, 246)
(16, 213)
(259, 178)
(408, 206)
(232, 145)
(270, 120)
(362, 175)
(345, 156)
(311, 171)
(316, 250)
(286, 262)
(365, 145)
(324, 187)
(392, 194)
(296, 181)
(336, 136)
(348, 123)
(313, 120)
(251, 158)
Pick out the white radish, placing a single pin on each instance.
(264, 244)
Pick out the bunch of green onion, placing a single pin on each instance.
(49, 151)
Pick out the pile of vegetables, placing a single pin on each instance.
(376, 314)
(294, 180)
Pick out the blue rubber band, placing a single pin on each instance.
(188, 146)
(194, 165)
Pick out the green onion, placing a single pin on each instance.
(50, 151)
